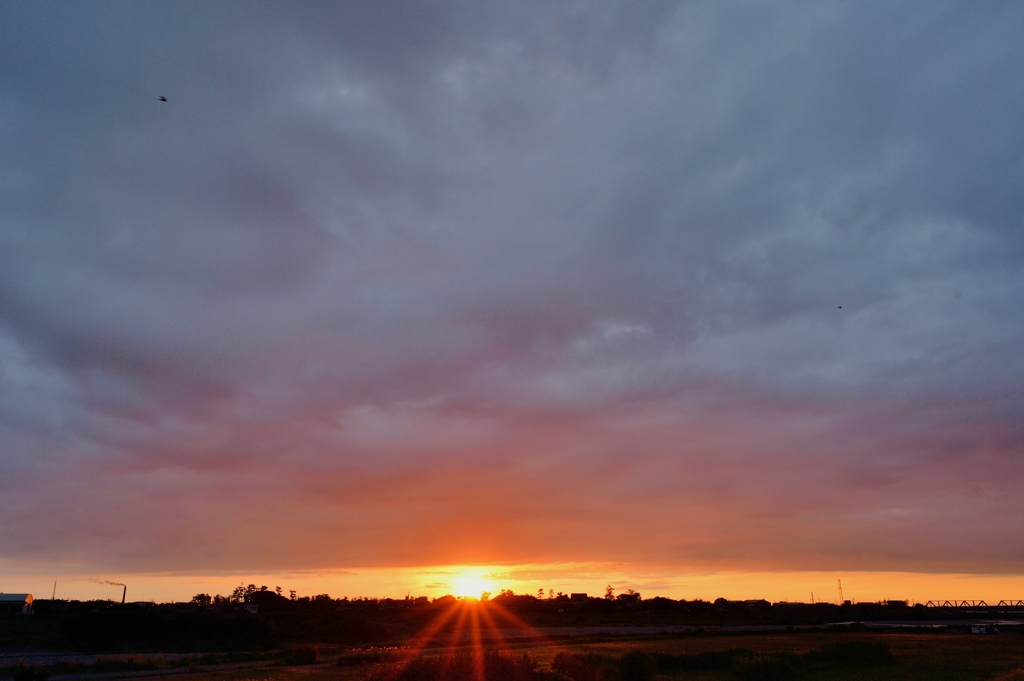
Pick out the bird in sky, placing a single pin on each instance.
(162, 99)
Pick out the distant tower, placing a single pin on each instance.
(841, 599)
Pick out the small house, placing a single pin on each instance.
(16, 603)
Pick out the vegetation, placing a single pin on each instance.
(743, 664)
(255, 618)
(792, 657)
(30, 674)
(305, 655)
(550, 639)
(372, 655)
(492, 666)
(113, 665)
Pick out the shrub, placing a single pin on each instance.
(855, 653)
(30, 674)
(574, 666)
(586, 667)
(768, 669)
(499, 667)
(709, 660)
(458, 667)
(637, 666)
(355, 659)
(305, 655)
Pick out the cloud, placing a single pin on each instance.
(421, 284)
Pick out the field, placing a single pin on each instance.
(924, 657)
(509, 638)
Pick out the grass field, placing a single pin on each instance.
(924, 657)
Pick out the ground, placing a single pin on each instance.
(924, 657)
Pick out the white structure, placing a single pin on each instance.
(18, 603)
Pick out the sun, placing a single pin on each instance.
(471, 584)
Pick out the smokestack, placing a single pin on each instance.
(123, 594)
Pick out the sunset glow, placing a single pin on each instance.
(437, 581)
(471, 584)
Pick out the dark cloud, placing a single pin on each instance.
(492, 283)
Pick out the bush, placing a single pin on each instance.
(499, 667)
(637, 666)
(573, 666)
(30, 674)
(632, 666)
(586, 667)
(459, 667)
(355, 659)
(305, 655)
(768, 669)
(854, 653)
(709, 660)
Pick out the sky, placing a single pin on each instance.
(657, 289)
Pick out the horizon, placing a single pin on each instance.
(439, 581)
(677, 296)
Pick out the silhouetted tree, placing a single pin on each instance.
(609, 592)
(637, 666)
(630, 596)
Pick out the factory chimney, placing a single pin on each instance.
(124, 593)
